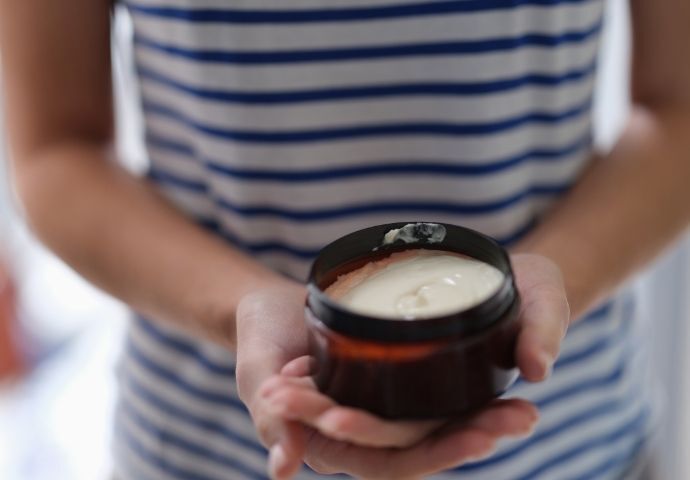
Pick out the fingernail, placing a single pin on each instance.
(277, 459)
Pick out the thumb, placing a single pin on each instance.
(544, 318)
(270, 333)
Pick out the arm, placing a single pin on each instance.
(634, 202)
(111, 227)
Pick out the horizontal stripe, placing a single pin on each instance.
(234, 420)
(308, 254)
(174, 379)
(398, 206)
(311, 253)
(326, 116)
(579, 388)
(517, 235)
(615, 365)
(128, 463)
(193, 372)
(158, 402)
(597, 346)
(168, 438)
(411, 167)
(215, 432)
(592, 383)
(403, 205)
(363, 131)
(566, 424)
(595, 412)
(202, 441)
(160, 371)
(161, 176)
(312, 235)
(293, 15)
(626, 302)
(590, 415)
(563, 427)
(442, 28)
(369, 190)
(468, 47)
(620, 462)
(290, 254)
(637, 425)
(371, 91)
(254, 209)
(188, 202)
(340, 154)
(599, 314)
(181, 469)
(504, 64)
(183, 347)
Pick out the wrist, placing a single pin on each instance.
(270, 332)
(582, 291)
(218, 307)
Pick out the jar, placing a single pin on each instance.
(413, 369)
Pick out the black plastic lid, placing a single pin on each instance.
(354, 250)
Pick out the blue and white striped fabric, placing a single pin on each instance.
(284, 124)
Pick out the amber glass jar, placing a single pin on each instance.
(426, 368)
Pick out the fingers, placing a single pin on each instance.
(285, 457)
(297, 399)
(512, 417)
(449, 447)
(329, 456)
(544, 321)
(285, 439)
(299, 367)
(362, 428)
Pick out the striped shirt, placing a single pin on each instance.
(283, 124)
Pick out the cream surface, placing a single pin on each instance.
(416, 284)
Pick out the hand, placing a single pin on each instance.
(295, 421)
(544, 315)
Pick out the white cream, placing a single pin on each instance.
(417, 284)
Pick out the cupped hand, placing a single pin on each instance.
(297, 423)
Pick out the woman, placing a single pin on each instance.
(274, 127)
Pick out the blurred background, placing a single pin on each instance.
(60, 338)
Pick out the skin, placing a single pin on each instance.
(120, 234)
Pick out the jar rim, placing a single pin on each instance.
(364, 245)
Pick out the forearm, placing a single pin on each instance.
(117, 232)
(627, 207)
